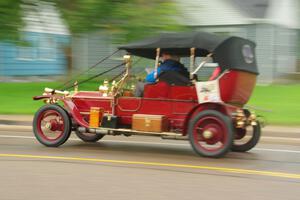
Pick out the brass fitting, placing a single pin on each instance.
(51, 100)
(127, 58)
(252, 119)
(52, 91)
(120, 83)
(104, 89)
(132, 87)
(240, 118)
(75, 87)
(207, 134)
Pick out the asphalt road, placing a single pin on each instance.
(145, 168)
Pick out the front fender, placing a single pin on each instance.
(69, 106)
(74, 112)
(36, 98)
(226, 109)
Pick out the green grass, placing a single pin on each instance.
(282, 100)
(16, 98)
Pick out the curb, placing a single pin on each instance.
(16, 118)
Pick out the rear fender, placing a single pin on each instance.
(221, 107)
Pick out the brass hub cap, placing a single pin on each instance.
(48, 126)
(207, 134)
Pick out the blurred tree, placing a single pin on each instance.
(130, 19)
(10, 19)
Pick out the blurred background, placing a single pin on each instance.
(54, 40)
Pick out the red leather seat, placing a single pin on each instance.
(157, 90)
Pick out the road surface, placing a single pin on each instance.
(141, 167)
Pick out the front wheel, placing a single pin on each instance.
(246, 138)
(211, 133)
(52, 125)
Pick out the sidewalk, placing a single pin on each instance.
(16, 122)
(16, 119)
(24, 122)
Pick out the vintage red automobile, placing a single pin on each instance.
(210, 114)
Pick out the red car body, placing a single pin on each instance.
(209, 113)
(177, 103)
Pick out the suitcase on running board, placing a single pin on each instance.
(149, 123)
(110, 121)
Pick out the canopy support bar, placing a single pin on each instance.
(202, 63)
(192, 61)
(156, 62)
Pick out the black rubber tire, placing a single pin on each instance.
(228, 124)
(67, 126)
(89, 138)
(251, 143)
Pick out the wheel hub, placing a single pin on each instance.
(52, 125)
(208, 134)
(211, 134)
(48, 126)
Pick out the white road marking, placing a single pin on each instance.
(157, 143)
(17, 136)
(117, 141)
(276, 150)
(280, 138)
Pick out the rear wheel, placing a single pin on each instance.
(89, 137)
(211, 133)
(52, 125)
(247, 138)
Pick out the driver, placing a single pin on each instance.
(170, 62)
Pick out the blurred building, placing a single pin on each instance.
(273, 24)
(45, 46)
(89, 48)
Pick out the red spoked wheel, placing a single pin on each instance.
(52, 125)
(211, 133)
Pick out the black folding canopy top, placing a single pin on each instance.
(230, 52)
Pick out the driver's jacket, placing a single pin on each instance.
(167, 65)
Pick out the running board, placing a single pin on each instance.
(108, 131)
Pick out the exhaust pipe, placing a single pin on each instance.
(82, 129)
(91, 130)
